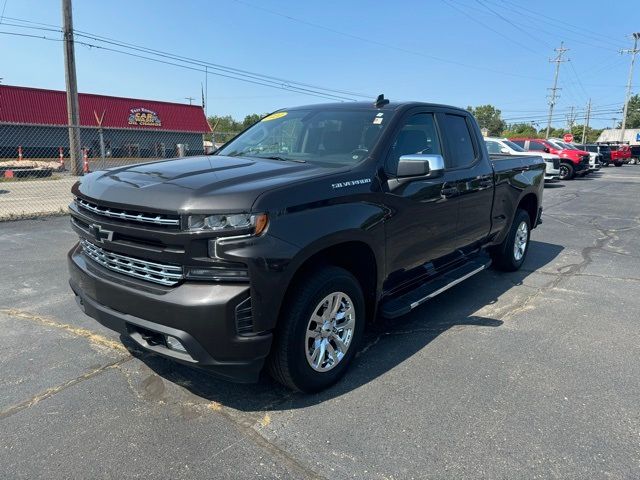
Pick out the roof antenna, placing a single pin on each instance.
(380, 101)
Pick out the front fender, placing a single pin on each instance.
(295, 237)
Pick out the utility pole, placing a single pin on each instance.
(633, 52)
(586, 123)
(570, 119)
(73, 117)
(191, 99)
(552, 101)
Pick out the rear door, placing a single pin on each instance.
(470, 174)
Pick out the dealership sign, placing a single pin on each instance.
(143, 117)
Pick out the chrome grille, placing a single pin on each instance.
(157, 219)
(134, 267)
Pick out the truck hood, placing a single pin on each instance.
(194, 184)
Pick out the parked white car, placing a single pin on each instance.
(503, 146)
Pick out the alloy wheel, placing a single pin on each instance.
(330, 331)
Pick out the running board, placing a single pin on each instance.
(404, 304)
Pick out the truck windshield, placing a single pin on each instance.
(328, 137)
(513, 146)
(555, 145)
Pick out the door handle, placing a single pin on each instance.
(449, 192)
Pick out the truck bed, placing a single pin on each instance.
(504, 163)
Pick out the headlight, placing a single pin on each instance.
(229, 222)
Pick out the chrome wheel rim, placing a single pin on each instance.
(520, 243)
(330, 331)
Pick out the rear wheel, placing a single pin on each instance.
(617, 164)
(319, 331)
(567, 171)
(510, 254)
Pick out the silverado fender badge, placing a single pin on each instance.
(350, 183)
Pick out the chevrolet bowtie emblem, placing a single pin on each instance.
(100, 234)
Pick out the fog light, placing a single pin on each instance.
(174, 344)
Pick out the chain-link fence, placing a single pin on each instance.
(36, 173)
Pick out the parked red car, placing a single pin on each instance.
(620, 154)
(572, 162)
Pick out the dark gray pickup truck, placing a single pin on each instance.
(278, 249)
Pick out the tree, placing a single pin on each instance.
(521, 130)
(250, 120)
(488, 117)
(633, 112)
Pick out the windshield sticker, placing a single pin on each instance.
(380, 114)
(351, 183)
(377, 120)
(273, 116)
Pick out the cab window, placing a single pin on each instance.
(462, 151)
(493, 147)
(417, 136)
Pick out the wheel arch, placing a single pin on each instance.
(357, 256)
(529, 203)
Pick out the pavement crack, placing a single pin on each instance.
(93, 337)
(49, 392)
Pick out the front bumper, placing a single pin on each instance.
(200, 315)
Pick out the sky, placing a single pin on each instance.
(458, 52)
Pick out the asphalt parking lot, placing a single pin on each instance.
(533, 374)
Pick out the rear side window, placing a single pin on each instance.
(535, 146)
(461, 149)
(520, 143)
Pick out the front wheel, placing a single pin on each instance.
(567, 171)
(617, 164)
(321, 326)
(510, 254)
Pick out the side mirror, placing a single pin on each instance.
(546, 150)
(420, 165)
(504, 150)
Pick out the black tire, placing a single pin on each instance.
(503, 255)
(617, 164)
(288, 362)
(567, 172)
(605, 163)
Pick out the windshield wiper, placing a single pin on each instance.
(282, 159)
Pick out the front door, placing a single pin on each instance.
(424, 211)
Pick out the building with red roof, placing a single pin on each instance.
(35, 120)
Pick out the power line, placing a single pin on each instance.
(232, 70)
(382, 44)
(565, 25)
(265, 83)
(498, 32)
(505, 19)
(3, 9)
